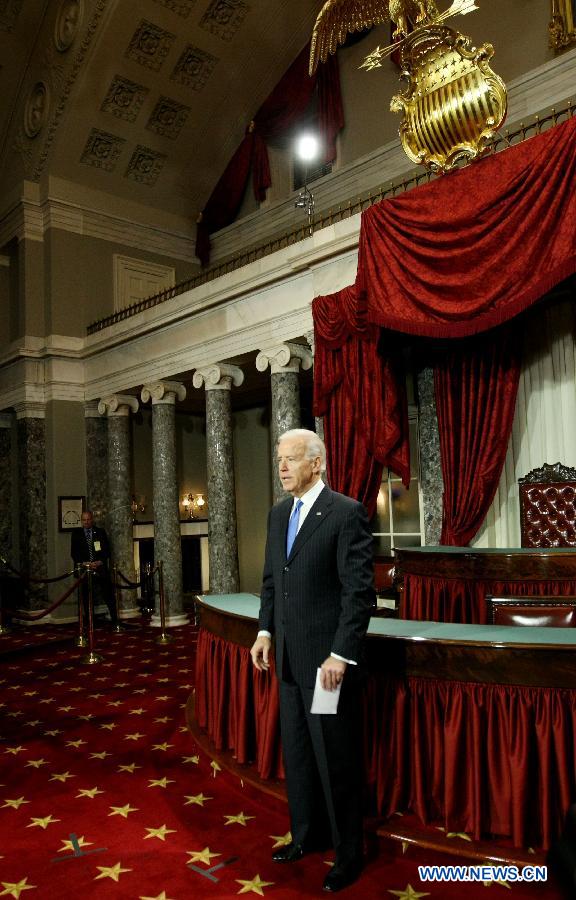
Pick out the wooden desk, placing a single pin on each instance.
(471, 727)
(449, 584)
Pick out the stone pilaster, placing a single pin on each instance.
(222, 529)
(285, 361)
(96, 433)
(31, 450)
(6, 482)
(167, 541)
(117, 409)
(431, 481)
(318, 420)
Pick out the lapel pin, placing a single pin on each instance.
(318, 513)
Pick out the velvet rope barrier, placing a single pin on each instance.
(34, 617)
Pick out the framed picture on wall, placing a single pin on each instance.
(70, 511)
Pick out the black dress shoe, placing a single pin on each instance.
(340, 876)
(289, 853)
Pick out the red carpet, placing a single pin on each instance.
(104, 794)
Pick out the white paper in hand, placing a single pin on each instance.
(323, 701)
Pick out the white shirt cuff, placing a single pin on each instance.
(264, 634)
(351, 662)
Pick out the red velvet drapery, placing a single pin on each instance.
(359, 391)
(281, 111)
(450, 259)
(480, 758)
(476, 383)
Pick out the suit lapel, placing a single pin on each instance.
(317, 515)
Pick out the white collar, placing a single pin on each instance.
(309, 498)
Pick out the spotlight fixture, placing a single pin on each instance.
(307, 150)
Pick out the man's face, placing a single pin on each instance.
(87, 520)
(297, 471)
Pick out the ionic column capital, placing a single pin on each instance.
(166, 392)
(285, 357)
(118, 405)
(30, 409)
(218, 377)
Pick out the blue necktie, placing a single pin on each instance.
(293, 527)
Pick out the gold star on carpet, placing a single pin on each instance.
(123, 811)
(33, 723)
(162, 680)
(42, 823)
(35, 763)
(14, 804)
(255, 886)
(63, 777)
(108, 726)
(14, 750)
(86, 718)
(129, 768)
(405, 845)
(161, 896)
(137, 712)
(89, 792)
(162, 719)
(163, 747)
(240, 819)
(16, 888)
(163, 697)
(159, 833)
(102, 755)
(215, 767)
(281, 840)
(134, 737)
(160, 782)
(459, 834)
(115, 703)
(121, 684)
(95, 696)
(48, 700)
(185, 687)
(76, 690)
(203, 856)
(65, 708)
(69, 845)
(75, 744)
(139, 690)
(408, 893)
(112, 872)
(53, 733)
(16, 714)
(30, 693)
(191, 759)
(198, 799)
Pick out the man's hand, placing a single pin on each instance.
(332, 673)
(260, 653)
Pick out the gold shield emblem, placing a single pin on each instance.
(454, 103)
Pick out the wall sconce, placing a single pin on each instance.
(192, 503)
(137, 505)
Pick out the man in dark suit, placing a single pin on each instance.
(316, 599)
(89, 544)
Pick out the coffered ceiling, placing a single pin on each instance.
(144, 101)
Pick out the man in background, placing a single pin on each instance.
(317, 596)
(89, 544)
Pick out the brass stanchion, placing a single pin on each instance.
(116, 628)
(163, 637)
(81, 640)
(91, 657)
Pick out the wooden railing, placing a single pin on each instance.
(506, 139)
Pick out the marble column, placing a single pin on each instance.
(431, 481)
(117, 409)
(318, 420)
(33, 537)
(96, 435)
(6, 483)
(285, 361)
(167, 540)
(222, 531)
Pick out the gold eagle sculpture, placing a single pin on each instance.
(453, 103)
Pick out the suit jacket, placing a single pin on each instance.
(320, 598)
(79, 545)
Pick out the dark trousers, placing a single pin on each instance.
(324, 769)
(101, 590)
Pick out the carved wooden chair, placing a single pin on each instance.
(548, 507)
(555, 612)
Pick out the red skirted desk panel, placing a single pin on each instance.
(450, 584)
(471, 727)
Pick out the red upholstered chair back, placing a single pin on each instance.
(548, 507)
(555, 612)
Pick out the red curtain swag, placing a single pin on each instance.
(477, 758)
(450, 259)
(283, 109)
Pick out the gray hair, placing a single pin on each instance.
(314, 446)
